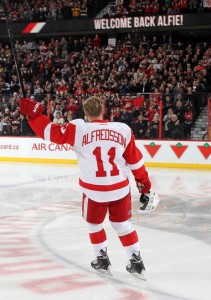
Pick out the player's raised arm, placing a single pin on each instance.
(42, 125)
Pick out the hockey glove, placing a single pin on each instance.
(31, 108)
(143, 185)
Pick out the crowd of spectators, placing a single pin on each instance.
(53, 10)
(120, 8)
(131, 78)
(57, 10)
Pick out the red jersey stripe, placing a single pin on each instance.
(129, 239)
(98, 237)
(104, 188)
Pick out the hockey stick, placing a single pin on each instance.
(12, 42)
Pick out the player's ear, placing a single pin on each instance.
(86, 117)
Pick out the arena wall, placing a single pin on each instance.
(182, 154)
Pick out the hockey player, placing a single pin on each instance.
(103, 150)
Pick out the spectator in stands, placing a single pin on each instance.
(150, 113)
(72, 106)
(124, 87)
(125, 117)
(68, 116)
(174, 128)
(190, 98)
(97, 41)
(179, 111)
(5, 125)
(127, 102)
(58, 119)
(138, 102)
(143, 112)
(188, 119)
(153, 127)
(57, 109)
(25, 129)
(139, 128)
(76, 10)
(61, 88)
(166, 120)
(144, 85)
(84, 11)
(14, 123)
(177, 91)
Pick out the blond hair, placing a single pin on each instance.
(93, 106)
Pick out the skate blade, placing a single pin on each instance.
(105, 272)
(140, 276)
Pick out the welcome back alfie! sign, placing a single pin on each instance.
(138, 22)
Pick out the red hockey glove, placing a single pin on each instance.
(31, 108)
(143, 185)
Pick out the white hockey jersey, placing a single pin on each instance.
(103, 149)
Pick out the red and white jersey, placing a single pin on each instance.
(103, 150)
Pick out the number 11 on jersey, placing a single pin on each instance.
(100, 167)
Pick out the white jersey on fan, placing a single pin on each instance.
(103, 150)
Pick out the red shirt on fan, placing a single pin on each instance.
(61, 88)
(96, 41)
(138, 101)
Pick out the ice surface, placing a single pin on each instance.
(44, 245)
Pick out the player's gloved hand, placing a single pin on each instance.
(149, 201)
(143, 185)
(31, 108)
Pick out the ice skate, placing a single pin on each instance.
(136, 266)
(102, 263)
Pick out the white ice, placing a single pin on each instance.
(44, 245)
